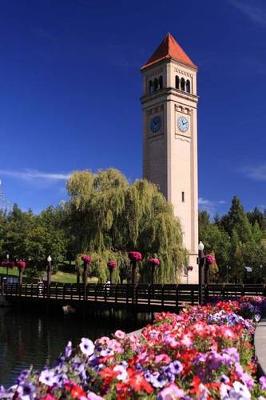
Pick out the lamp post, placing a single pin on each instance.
(49, 270)
(201, 267)
(7, 264)
(86, 261)
(261, 273)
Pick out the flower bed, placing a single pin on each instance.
(203, 353)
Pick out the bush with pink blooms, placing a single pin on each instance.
(205, 352)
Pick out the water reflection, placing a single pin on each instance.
(32, 339)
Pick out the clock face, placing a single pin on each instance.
(182, 124)
(155, 124)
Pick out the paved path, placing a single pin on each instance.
(260, 344)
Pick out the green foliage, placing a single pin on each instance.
(237, 241)
(33, 237)
(109, 215)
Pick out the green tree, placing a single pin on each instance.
(108, 214)
(237, 220)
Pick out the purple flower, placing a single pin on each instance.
(26, 391)
(233, 353)
(263, 382)
(22, 376)
(239, 392)
(68, 349)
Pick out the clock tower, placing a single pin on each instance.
(169, 105)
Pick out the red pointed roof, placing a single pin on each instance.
(169, 48)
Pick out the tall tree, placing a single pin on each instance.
(237, 220)
(108, 214)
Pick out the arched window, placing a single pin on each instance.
(183, 84)
(188, 86)
(150, 87)
(155, 83)
(177, 82)
(160, 82)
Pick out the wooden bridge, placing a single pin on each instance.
(141, 297)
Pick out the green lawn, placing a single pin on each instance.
(11, 271)
(60, 277)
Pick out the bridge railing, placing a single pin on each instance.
(168, 295)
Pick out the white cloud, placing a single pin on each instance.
(30, 175)
(256, 13)
(211, 206)
(256, 173)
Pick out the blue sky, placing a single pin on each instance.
(70, 87)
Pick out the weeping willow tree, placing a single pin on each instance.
(108, 217)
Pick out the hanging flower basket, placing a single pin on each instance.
(21, 264)
(7, 264)
(86, 259)
(112, 264)
(135, 256)
(153, 261)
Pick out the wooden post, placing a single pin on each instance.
(78, 275)
(85, 273)
(133, 276)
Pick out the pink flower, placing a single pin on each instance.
(21, 264)
(210, 259)
(154, 261)
(171, 392)
(112, 264)
(135, 255)
(115, 346)
(120, 334)
(163, 358)
(93, 396)
(86, 259)
(103, 340)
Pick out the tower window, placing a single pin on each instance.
(160, 82)
(183, 197)
(183, 84)
(177, 82)
(155, 83)
(188, 86)
(150, 87)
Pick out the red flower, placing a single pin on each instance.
(195, 385)
(108, 374)
(75, 390)
(86, 259)
(48, 396)
(138, 382)
(135, 255)
(154, 261)
(21, 264)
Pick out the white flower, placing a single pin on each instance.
(122, 376)
(239, 392)
(48, 377)
(87, 347)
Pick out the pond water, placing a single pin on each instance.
(37, 339)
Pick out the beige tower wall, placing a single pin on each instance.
(170, 156)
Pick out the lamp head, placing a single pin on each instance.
(49, 258)
(201, 246)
